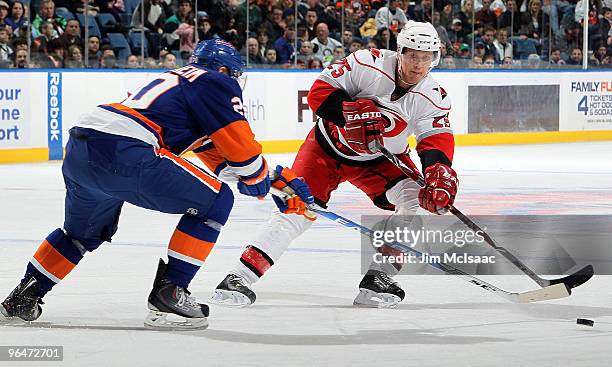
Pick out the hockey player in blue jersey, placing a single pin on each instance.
(131, 152)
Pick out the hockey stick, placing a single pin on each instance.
(544, 294)
(571, 281)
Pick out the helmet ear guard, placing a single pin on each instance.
(420, 36)
(217, 53)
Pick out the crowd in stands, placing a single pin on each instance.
(309, 34)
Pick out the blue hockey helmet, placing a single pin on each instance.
(215, 53)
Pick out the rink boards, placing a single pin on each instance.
(37, 108)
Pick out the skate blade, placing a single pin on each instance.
(158, 320)
(5, 319)
(369, 299)
(230, 299)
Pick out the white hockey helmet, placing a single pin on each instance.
(420, 36)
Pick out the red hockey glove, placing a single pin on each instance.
(440, 188)
(364, 125)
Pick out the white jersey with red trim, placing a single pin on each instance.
(370, 74)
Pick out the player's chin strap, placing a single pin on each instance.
(544, 294)
(571, 281)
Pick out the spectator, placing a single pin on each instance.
(72, 34)
(47, 12)
(503, 48)
(108, 61)
(329, 16)
(448, 62)
(606, 27)
(356, 45)
(205, 31)
(314, 64)
(524, 46)
(568, 39)
(488, 36)
(154, 16)
(324, 45)
(184, 15)
(464, 51)
(447, 16)
(575, 57)
(253, 55)
(186, 32)
(306, 52)
(93, 57)
(79, 7)
(6, 52)
(443, 50)
(270, 56)
(255, 16)
(354, 18)
(422, 11)
(264, 42)
(371, 44)
(489, 62)
(479, 50)
(385, 39)
(533, 61)
(47, 33)
(498, 7)
(311, 22)
(507, 62)
(485, 16)
(457, 35)
(20, 59)
(4, 12)
(149, 63)
(17, 17)
(221, 14)
(535, 20)
(315, 5)
(132, 62)
(391, 16)
(594, 7)
(511, 18)
(476, 62)
(55, 55)
(347, 38)
(555, 57)
(284, 45)
(600, 55)
(74, 58)
(339, 54)
(444, 40)
(275, 24)
(20, 44)
(465, 15)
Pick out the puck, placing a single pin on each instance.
(585, 322)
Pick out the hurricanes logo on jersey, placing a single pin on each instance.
(395, 123)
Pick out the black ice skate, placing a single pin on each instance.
(23, 302)
(169, 300)
(377, 289)
(233, 291)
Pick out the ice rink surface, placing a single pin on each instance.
(304, 314)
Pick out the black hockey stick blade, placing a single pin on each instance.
(574, 280)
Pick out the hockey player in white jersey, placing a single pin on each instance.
(370, 96)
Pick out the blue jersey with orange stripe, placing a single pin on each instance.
(188, 108)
